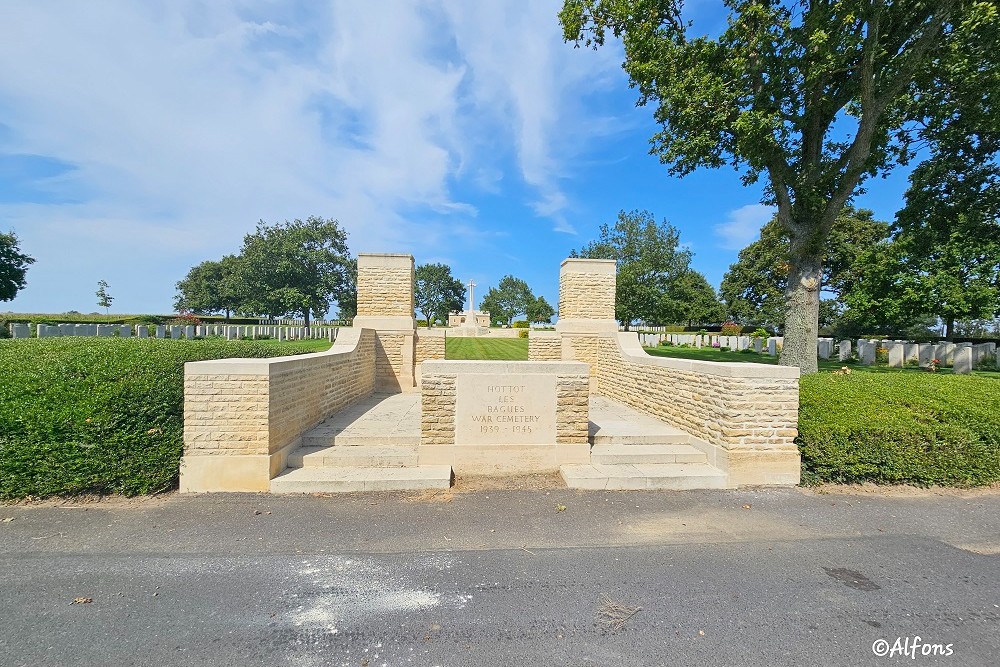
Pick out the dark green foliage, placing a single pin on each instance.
(13, 266)
(86, 415)
(437, 292)
(510, 298)
(900, 428)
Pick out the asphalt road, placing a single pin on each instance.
(503, 578)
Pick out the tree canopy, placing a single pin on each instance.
(511, 297)
(295, 268)
(816, 96)
(437, 292)
(649, 260)
(753, 287)
(539, 311)
(13, 267)
(211, 287)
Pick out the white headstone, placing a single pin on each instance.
(866, 351)
(963, 360)
(926, 355)
(896, 355)
(844, 350)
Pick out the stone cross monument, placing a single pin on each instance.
(470, 317)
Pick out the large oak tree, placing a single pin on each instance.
(815, 95)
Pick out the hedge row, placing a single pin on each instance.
(87, 415)
(900, 428)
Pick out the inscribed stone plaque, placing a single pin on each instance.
(505, 409)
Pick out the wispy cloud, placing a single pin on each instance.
(743, 225)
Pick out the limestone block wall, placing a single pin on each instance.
(430, 345)
(544, 346)
(394, 361)
(243, 416)
(437, 408)
(748, 411)
(572, 409)
(385, 285)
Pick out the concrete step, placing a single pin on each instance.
(676, 476)
(354, 479)
(365, 456)
(618, 454)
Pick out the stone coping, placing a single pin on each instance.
(606, 267)
(445, 367)
(346, 343)
(632, 350)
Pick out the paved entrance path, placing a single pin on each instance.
(376, 419)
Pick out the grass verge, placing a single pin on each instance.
(101, 415)
(888, 425)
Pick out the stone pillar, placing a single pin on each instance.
(385, 304)
(586, 308)
(587, 296)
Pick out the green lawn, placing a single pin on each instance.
(715, 354)
(497, 349)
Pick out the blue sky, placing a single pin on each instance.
(139, 139)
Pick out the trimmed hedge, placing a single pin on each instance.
(900, 428)
(99, 415)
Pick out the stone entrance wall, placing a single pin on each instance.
(243, 416)
(486, 417)
(744, 415)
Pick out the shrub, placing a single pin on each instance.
(731, 328)
(759, 333)
(988, 363)
(90, 415)
(521, 324)
(4, 329)
(900, 428)
(522, 333)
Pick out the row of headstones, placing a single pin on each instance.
(962, 357)
(734, 343)
(175, 331)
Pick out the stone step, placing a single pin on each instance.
(618, 454)
(320, 437)
(354, 456)
(676, 476)
(357, 478)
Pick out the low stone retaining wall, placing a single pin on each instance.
(243, 416)
(504, 416)
(747, 413)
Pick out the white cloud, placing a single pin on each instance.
(743, 225)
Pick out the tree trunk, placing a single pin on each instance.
(227, 315)
(305, 319)
(805, 278)
(949, 332)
